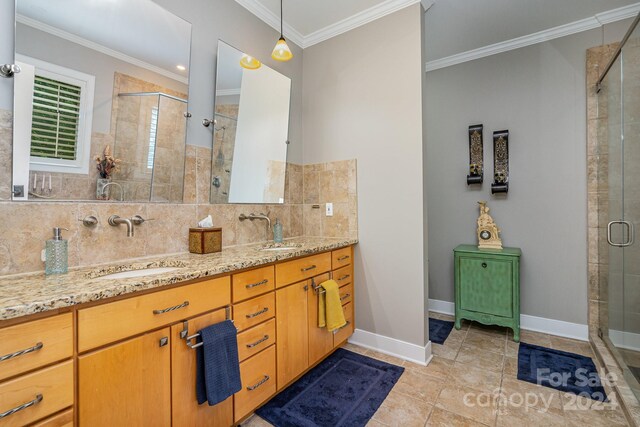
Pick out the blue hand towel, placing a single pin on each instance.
(217, 364)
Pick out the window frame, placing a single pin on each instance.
(83, 146)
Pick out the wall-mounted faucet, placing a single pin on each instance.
(104, 190)
(253, 216)
(115, 220)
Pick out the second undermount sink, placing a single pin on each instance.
(139, 273)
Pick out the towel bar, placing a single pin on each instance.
(188, 338)
(317, 288)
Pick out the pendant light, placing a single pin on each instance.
(249, 62)
(281, 51)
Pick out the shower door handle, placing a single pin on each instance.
(630, 234)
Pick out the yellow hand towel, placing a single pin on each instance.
(330, 313)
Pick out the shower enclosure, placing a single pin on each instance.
(618, 181)
(150, 141)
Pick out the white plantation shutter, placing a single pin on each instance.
(56, 115)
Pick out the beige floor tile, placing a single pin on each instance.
(457, 335)
(484, 342)
(535, 338)
(419, 386)
(256, 421)
(572, 346)
(445, 351)
(374, 423)
(514, 391)
(510, 367)
(384, 357)
(447, 317)
(438, 367)
(469, 403)
(511, 348)
(441, 418)
(488, 329)
(354, 348)
(512, 415)
(480, 358)
(465, 375)
(401, 410)
(597, 416)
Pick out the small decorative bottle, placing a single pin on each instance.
(277, 231)
(56, 254)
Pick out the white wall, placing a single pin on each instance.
(538, 93)
(362, 99)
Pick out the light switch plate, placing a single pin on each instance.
(329, 209)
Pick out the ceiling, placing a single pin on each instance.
(452, 26)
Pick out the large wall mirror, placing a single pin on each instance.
(100, 106)
(250, 131)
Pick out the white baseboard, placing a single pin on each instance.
(393, 347)
(530, 323)
(626, 340)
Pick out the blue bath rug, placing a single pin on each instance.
(560, 370)
(439, 330)
(345, 389)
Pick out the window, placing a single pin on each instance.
(62, 102)
(153, 130)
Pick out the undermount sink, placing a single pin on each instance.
(280, 247)
(139, 273)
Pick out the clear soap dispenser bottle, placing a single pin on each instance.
(56, 254)
(277, 231)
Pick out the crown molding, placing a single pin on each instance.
(38, 25)
(378, 11)
(273, 20)
(542, 36)
(304, 41)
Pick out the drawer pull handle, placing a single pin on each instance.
(484, 265)
(35, 401)
(342, 258)
(257, 313)
(261, 340)
(253, 285)
(346, 276)
(308, 268)
(258, 384)
(175, 307)
(36, 347)
(344, 297)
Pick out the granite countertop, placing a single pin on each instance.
(30, 293)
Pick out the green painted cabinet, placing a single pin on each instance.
(487, 286)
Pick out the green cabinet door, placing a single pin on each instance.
(486, 286)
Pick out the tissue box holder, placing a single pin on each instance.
(205, 240)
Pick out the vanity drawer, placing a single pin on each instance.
(110, 322)
(343, 275)
(258, 376)
(346, 294)
(301, 269)
(256, 339)
(346, 331)
(252, 283)
(54, 384)
(341, 257)
(254, 311)
(49, 340)
(63, 419)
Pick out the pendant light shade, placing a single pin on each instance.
(281, 51)
(249, 62)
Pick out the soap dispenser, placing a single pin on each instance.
(277, 231)
(56, 254)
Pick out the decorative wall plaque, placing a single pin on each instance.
(488, 231)
(476, 166)
(500, 162)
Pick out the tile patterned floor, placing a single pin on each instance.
(435, 395)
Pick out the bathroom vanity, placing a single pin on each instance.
(82, 349)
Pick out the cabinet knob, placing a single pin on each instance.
(164, 341)
(484, 265)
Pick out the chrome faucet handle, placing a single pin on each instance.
(138, 220)
(89, 221)
(242, 217)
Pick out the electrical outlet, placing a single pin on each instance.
(329, 209)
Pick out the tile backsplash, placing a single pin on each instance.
(27, 225)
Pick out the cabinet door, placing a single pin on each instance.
(127, 384)
(186, 411)
(320, 340)
(486, 285)
(292, 331)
